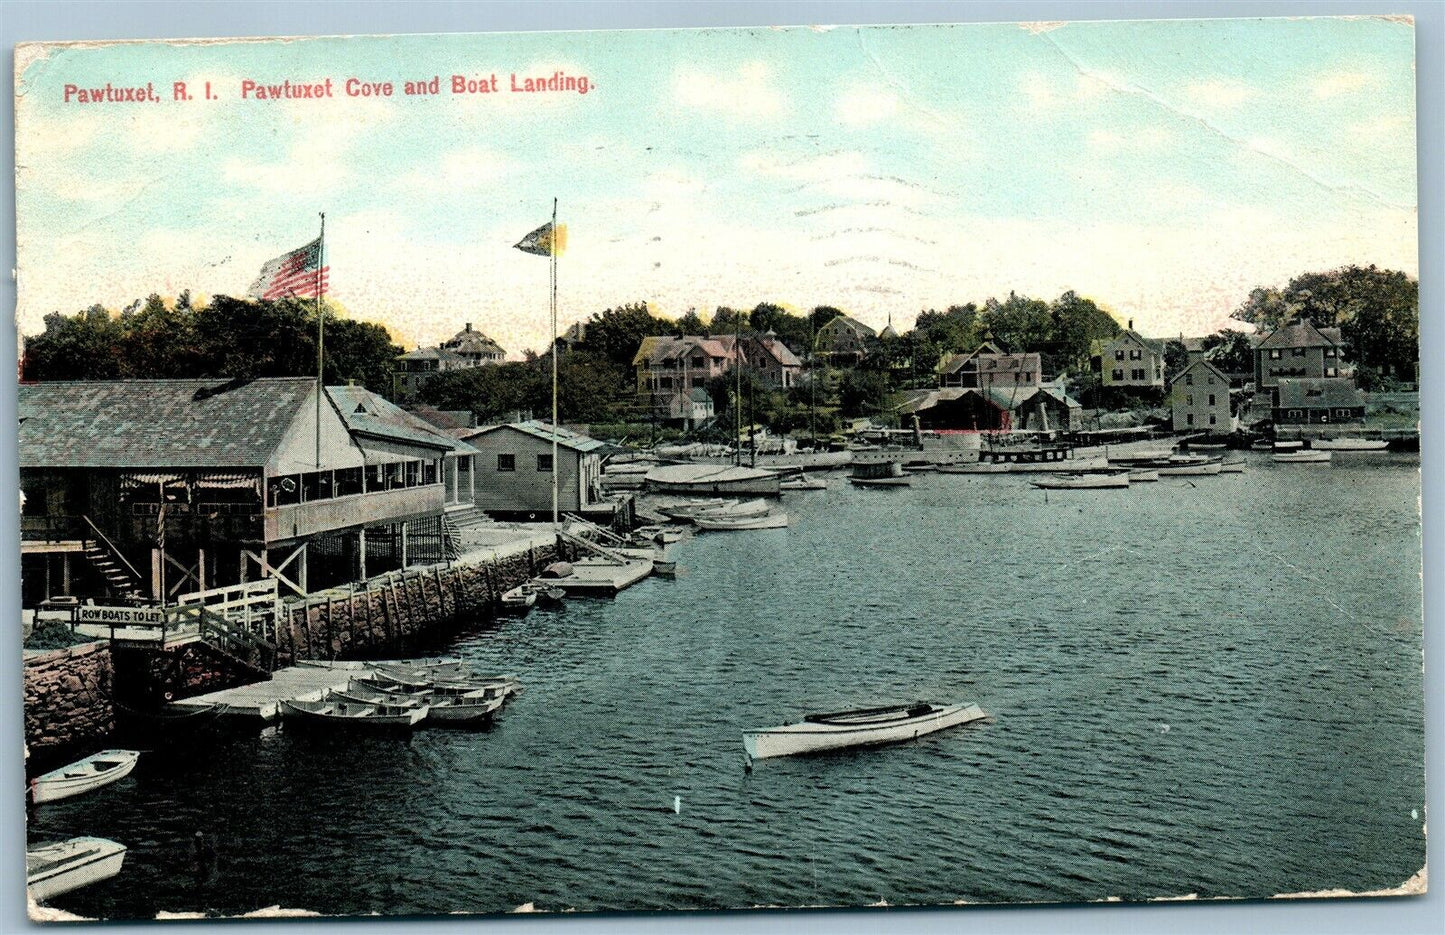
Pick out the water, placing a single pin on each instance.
(1207, 685)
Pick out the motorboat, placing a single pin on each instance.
(53, 869)
(860, 728)
(1084, 481)
(96, 770)
(1348, 444)
(336, 712)
(723, 523)
(1302, 456)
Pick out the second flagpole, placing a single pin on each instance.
(553, 251)
(320, 333)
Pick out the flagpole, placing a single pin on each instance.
(553, 251)
(320, 333)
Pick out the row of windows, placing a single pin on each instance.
(1189, 380)
(1277, 353)
(508, 462)
(1189, 400)
(665, 383)
(1138, 373)
(1189, 419)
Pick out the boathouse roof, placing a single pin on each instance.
(1320, 393)
(158, 423)
(367, 414)
(566, 438)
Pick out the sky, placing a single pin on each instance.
(1161, 168)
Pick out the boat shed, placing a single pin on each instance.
(1326, 401)
(150, 490)
(990, 409)
(514, 472)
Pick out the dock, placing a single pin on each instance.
(261, 701)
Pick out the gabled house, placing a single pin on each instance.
(669, 369)
(988, 367)
(466, 349)
(1132, 360)
(1199, 398)
(1299, 350)
(843, 341)
(1322, 401)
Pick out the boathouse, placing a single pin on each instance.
(148, 490)
(514, 473)
(1041, 408)
(1334, 401)
(1199, 398)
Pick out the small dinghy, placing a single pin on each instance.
(96, 770)
(544, 593)
(733, 510)
(1302, 457)
(725, 523)
(1143, 476)
(667, 535)
(463, 711)
(1349, 444)
(1087, 481)
(803, 482)
(665, 569)
(335, 712)
(519, 600)
(861, 728)
(1232, 467)
(53, 869)
(684, 509)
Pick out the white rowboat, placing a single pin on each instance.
(862, 728)
(1302, 457)
(733, 510)
(1348, 444)
(771, 521)
(1097, 481)
(96, 770)
(53, 869)
(518, 600)
(334, 712)
(802, 482)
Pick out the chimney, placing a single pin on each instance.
(469, 326)
(1131, 325)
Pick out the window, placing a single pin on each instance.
(1332, 372)
(1117, 374)
(1295, 415)
(544, 464)
(1211, 381)
(698, 381)
(1297, 352)
(665, 383)
(1118, 355)
(1189, 419)
(1211, 400)
(1342, 413)
(1189, 400)
(1189, 379)
(506, 462)
(697, 362)
(1136, 374)
(1330, 352)
(1211, 420)
(1274, 355)
(1136, 355)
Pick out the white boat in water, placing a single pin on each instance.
(725, 523)
(1302, 457)
(335, 712)
(1142, 476)
(53, 869)
(96, 770)
(733, 510)
(518, 600)
(1232, 467)
(713, 479)
(861, 728)
(1181, 465)
(804, 482)
(1348, 444)
(1098, 480)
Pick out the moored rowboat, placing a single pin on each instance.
(771, 521)
(861, 728)
(518, 600)
(335, 712)
(1302, 457)
(53, 869)
(1348, 444)
(1086, 481)
(96, 770)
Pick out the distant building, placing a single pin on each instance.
(444, 419)
(671, 369)
(767, 358)
(987, 367)
(575, 334)
(1299, 350)
(843, 341)
(466, 349)
(1131, 360)
(1199, 396)
(514, 471)
(1323, 401)
(993, 409)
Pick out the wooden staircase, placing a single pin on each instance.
(121, 578)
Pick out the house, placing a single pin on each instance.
(843, 341)
(150, 489)
(466, 349)
(988, 368)
(767, 357)
(670, 369)
(992, 409)
(1317, 401)
(575, 334)
(1299, 350)
(515, 467)
(1131, 360)
(1199, 397)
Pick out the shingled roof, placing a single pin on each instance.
(1300, 332)
(1322, 393)
(157, 423)
(366, 413)
(543, 430)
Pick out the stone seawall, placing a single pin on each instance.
(396, 611)
(69, 704)
(147, 678)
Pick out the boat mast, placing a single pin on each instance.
(738, 395)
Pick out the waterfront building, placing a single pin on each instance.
(843, 341)
(154, 489)
(987, 367)
(1132, 360)
(1199, 398)
(514, 473)
(992, 409)
(1299, 350)
(466, 349)
(1323, 401)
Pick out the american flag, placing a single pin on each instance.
(298, 273)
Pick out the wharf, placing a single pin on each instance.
(262, 700)
(604, 577)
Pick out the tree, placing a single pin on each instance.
(692, 323)
(1075, 324)
(1019, 323)
(616, 333)
(1230, 350)
(1176, 357)
(1265, 308)
(84, 346)
(862, 391)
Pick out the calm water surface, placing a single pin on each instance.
(1207, 687)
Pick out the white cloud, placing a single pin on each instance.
(747, 93)
(861, 105)
(458, 170)
(1219, 93)
(1333, 84)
